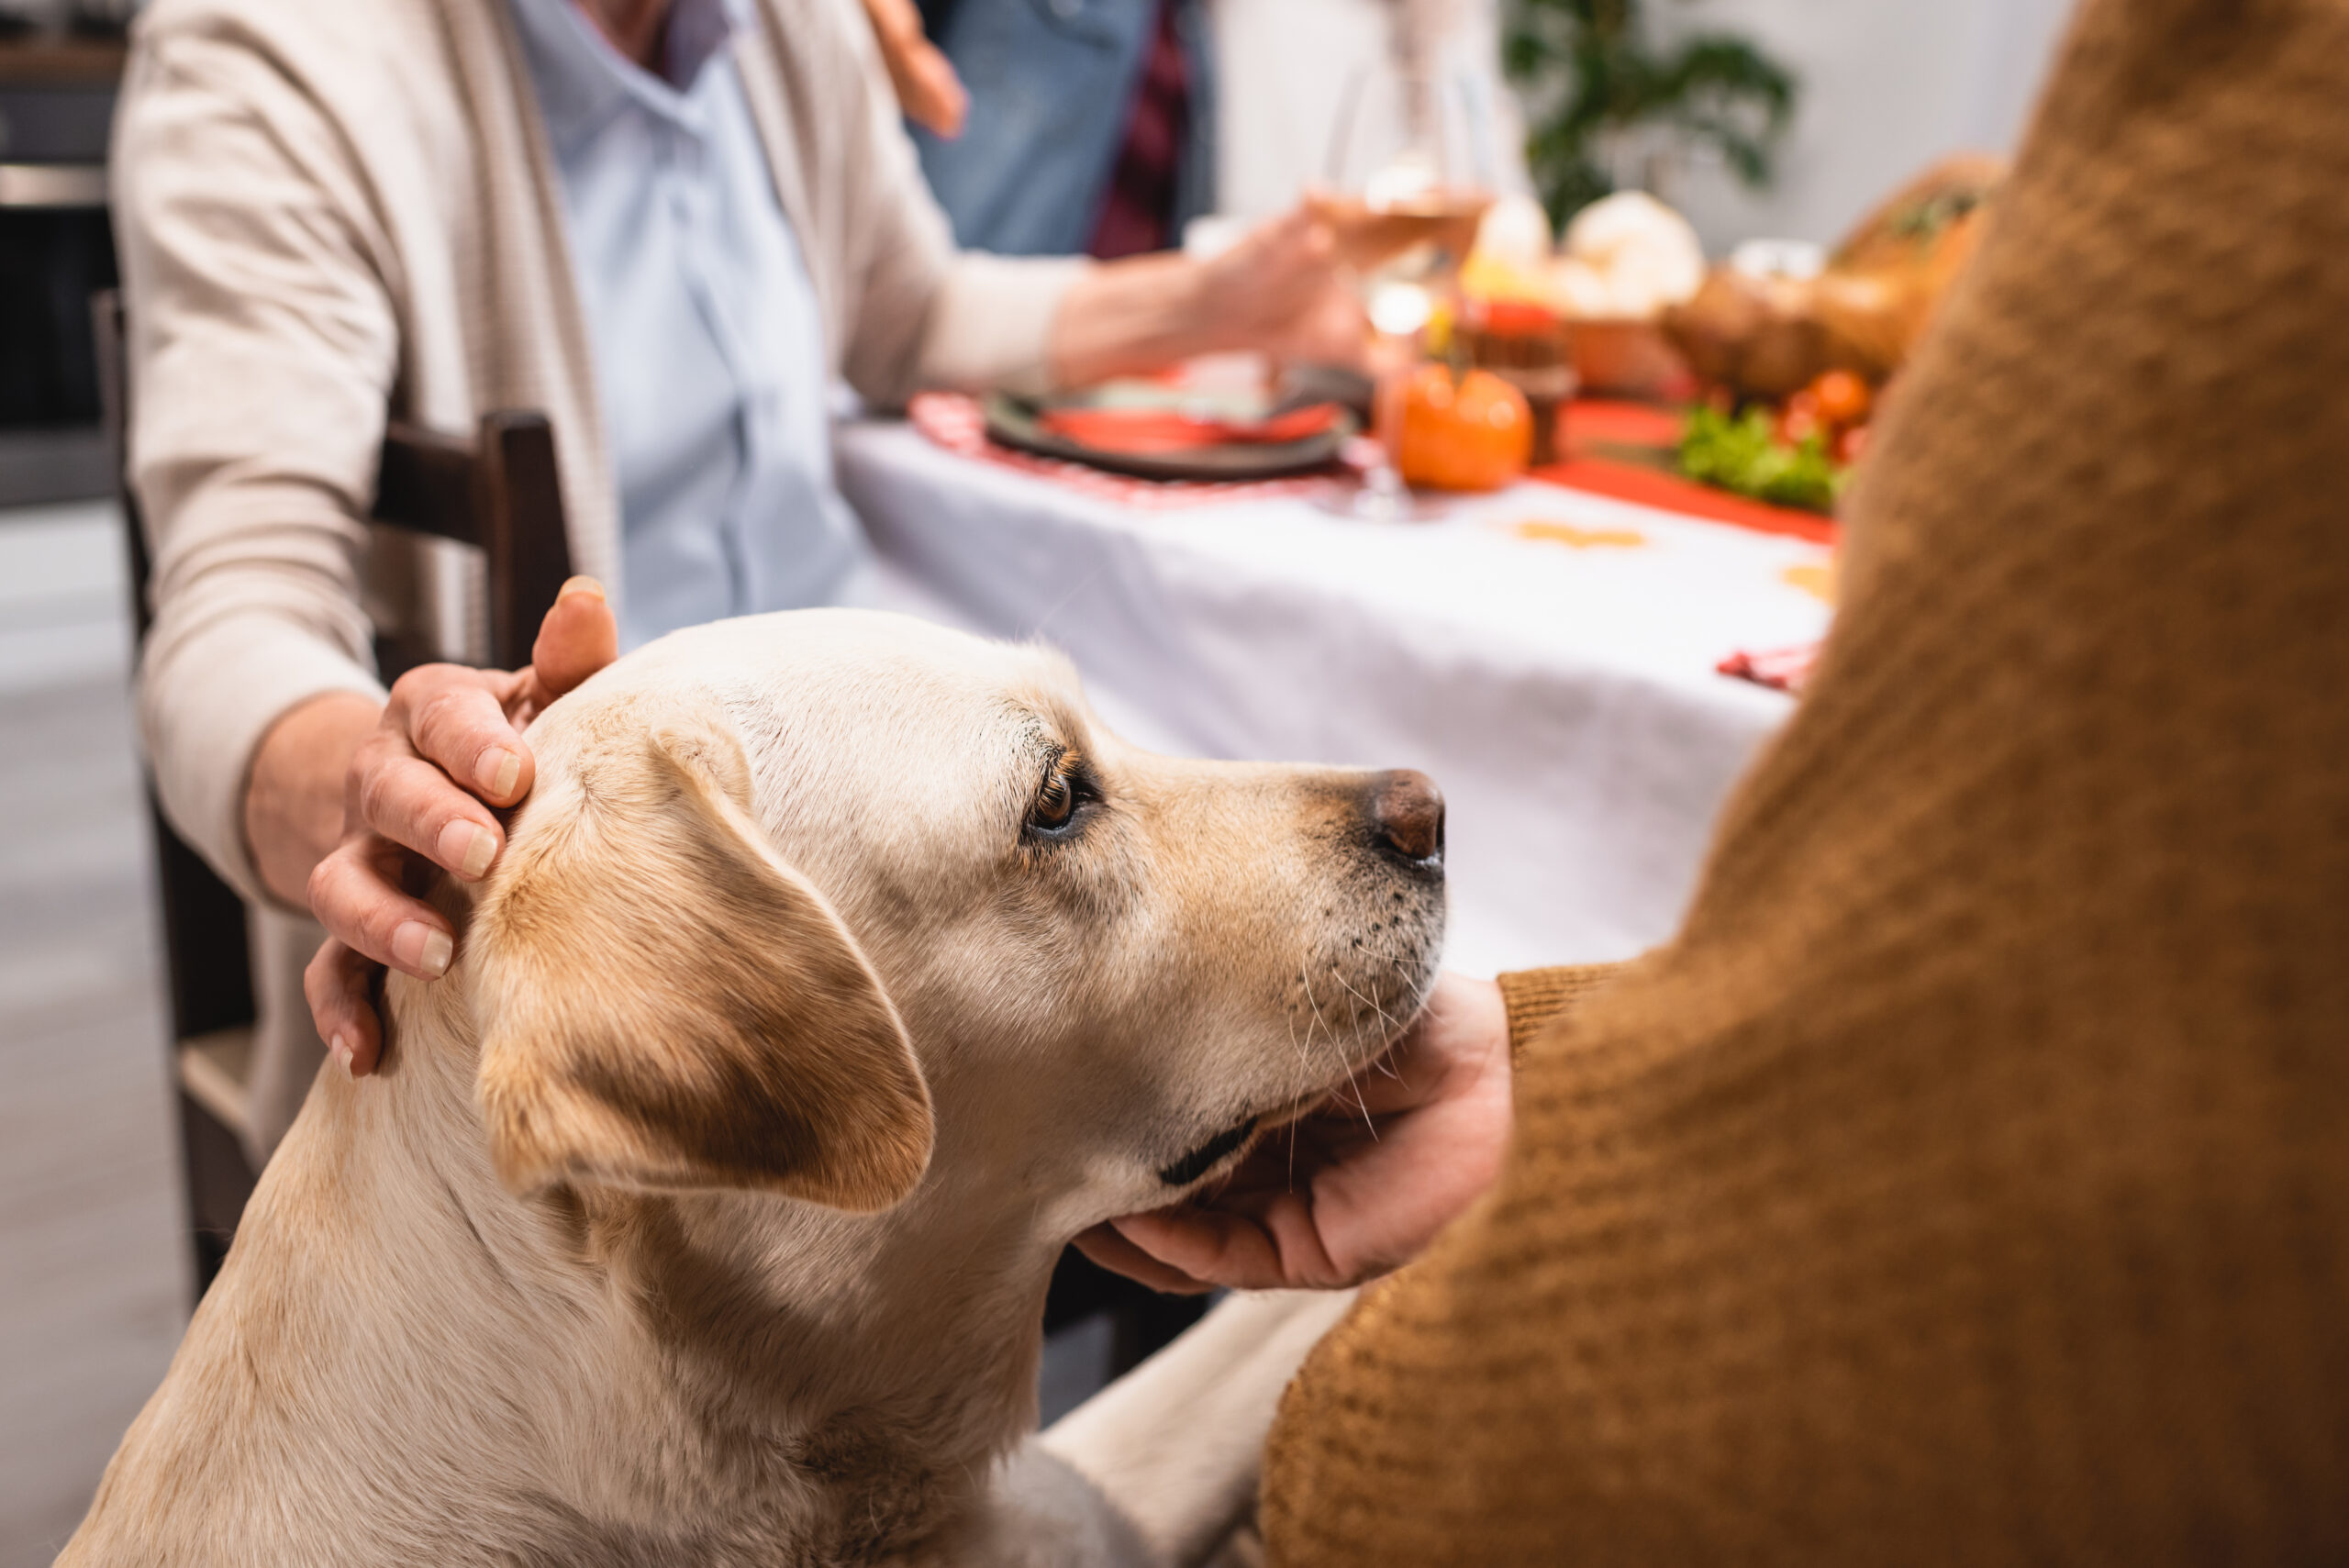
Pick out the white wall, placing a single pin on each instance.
(1887, 85)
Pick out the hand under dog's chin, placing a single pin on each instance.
(1230, 1144)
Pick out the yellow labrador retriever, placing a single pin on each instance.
(840, 970)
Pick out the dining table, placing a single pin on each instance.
(1552, 654)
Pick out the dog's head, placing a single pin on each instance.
(798, 900)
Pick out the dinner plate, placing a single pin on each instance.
(1014, 422)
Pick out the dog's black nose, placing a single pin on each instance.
(1407, 813)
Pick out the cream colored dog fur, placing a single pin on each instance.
(839, 969)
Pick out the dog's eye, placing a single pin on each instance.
(1055, 804)
(1065, 788)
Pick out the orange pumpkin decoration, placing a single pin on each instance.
(1474, 433)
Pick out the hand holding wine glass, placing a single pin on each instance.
(1411, 172)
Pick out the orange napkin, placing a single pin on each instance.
(1150, 430)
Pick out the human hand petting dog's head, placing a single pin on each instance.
(448, 748)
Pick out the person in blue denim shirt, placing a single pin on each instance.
(1091, 124)
(1102, 126)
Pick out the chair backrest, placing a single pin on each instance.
(499, 492)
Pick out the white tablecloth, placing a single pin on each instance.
(1564, 695)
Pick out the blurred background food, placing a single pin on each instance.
(1778, 353)
(1466, 431)
(1803, 146)
(1766, 330)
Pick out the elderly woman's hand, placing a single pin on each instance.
(1282, 291)
(1279, 291)
(447, 747)
(1355, 1188)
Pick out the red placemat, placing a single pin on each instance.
(1594, 425)
(954, 421)
(1594, 421)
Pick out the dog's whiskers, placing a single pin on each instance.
(1305, 1049)
(1367, 1002)
(1361, 1105)
(1314, 1002)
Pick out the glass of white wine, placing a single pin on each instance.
(1412, 169)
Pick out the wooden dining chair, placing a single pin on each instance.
(496, 491)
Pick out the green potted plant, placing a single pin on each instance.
(1597, 85)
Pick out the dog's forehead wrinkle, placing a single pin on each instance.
(1052, 710)
(940, 747)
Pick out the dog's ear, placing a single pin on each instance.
(663, 1003)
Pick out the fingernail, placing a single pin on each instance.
(576, 587)
(426, 948)
(497, 771)
(342, 1052)
(469, 847)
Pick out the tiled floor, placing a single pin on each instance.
(92, 1275)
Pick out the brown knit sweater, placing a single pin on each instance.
(1968, 1182)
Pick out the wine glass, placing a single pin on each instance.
(1412, 169)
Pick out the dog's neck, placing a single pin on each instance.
(764, 1366)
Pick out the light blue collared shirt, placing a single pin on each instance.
(704, 326)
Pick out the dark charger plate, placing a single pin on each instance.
(1012, 422)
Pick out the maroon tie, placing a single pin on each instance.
(1141, 199)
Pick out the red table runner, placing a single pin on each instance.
(1595, 425)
